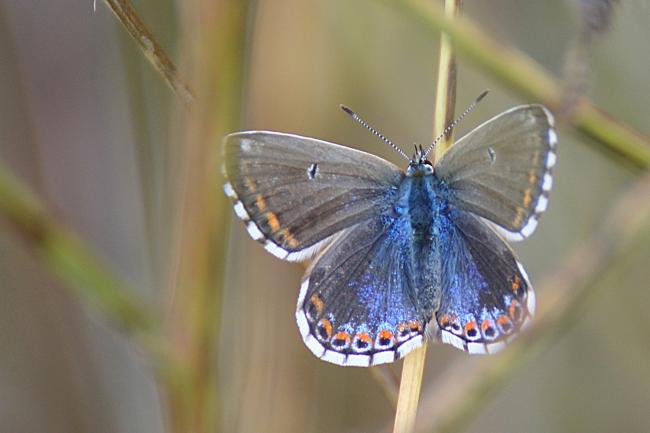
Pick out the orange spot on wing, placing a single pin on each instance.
(445, 320)
(505, 323)
(415, 326)
(260, 203)
(288, 238)
(516, 283)
(363, 336)
(503, 320)
(486, 324)
(250, 184)
(273, 221)
(470, 325)
(317, 302)
(527, 197)
(519, 216)
(532, 177)
(514, 310)
(327, 326)
(385, 339)
(342, 335)
(363, 341)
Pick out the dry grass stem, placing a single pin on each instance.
(150, 47)
(446, 84)
(409, 391)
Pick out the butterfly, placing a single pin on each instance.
(400, 255)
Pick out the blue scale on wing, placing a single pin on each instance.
(381, 278)
(486, 296)
(365, 282)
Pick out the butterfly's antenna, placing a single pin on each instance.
(374, 131)
(453, 124)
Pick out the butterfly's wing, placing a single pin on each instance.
(363, 302)
(502, 169)
(294, 193)
(485, 296)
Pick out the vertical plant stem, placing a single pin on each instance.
(413, 369)
(409, 390)
(446, 84)
(216, 33)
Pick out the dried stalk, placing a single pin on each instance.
(150, 47)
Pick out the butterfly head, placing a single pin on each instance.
(419, 165)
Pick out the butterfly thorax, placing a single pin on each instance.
(421, 198)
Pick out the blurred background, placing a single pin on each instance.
(88, 124)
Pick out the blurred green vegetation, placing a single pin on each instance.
(129, 179)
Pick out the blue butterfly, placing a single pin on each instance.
(399, 255)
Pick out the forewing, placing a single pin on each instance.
(358, 304)
(502, 170)
(295, 192)
(486, 297)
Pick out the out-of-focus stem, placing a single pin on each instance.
(70, 259)
(216, 33)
